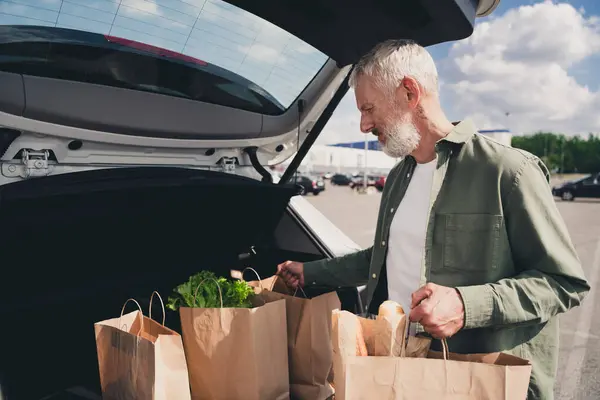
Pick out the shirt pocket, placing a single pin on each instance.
(471, 241)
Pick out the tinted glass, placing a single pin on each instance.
(209, 30)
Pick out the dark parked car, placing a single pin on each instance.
(311, 184)
(341, 180)
(588, 186)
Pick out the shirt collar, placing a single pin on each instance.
(462, 132)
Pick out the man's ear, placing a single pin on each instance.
(412, 91)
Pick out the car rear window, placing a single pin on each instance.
(202, 33)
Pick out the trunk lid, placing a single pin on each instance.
(198, 83)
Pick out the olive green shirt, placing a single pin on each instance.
(495, 234)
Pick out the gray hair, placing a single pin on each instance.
(390, 61)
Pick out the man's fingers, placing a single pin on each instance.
(422, 313)
(421, 294)
(283, 265)
(289, 272)
(417, 314)
(437, 331)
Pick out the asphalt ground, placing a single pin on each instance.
(579, 359)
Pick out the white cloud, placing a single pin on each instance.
(262, 52)
(269, 39)
(520, 62)
(344, 125)
(140, 6)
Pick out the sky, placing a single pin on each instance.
(537, 60)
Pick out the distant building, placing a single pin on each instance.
(503, 136)
(350, 157)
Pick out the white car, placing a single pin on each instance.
(133, 141)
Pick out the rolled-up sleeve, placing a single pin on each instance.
(550, 279)
(349, 270)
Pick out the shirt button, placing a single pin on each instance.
(383, 243)
(374, 276)
(408, 175)
(392, 209)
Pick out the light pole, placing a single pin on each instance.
(562, 155)
(365, 164)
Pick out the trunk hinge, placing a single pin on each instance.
(34, 164)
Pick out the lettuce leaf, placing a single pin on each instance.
(201, 291)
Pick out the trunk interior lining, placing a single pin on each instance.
(76, 254)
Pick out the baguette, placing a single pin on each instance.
(361, 346)
(391, 335)
(348, 334)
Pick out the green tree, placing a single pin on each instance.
(561, 153)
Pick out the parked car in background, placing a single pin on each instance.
(327, 175)
(586, 187)
(379, 183)
(311, 184)
(341, 180)
(358, 181)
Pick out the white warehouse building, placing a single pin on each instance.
(348, 158)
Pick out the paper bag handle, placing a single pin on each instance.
(141, 312)
(255, 273)
(445, 351)
(218, 287)
(302, 290)
(161, 303)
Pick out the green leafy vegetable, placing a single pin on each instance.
(236, 294)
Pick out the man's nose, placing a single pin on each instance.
(366, 125)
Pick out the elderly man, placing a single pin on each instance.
(468, 236)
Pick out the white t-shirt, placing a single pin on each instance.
(407, 237)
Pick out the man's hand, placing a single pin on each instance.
(292, 273)
(439, 309)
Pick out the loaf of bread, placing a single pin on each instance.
(391, 310)
(390, 338)
(348, 334)
(369, 331)
(361, 346)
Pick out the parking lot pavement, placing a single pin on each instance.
(579, 354)
(355, 214)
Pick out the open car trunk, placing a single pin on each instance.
(81, 244)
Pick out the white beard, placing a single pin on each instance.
(401, 139)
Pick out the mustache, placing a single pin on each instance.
(376, 132)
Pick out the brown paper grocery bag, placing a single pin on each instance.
(386, 334)
(237, 353)
(495, 376)
(140, 359)
(308, 336)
